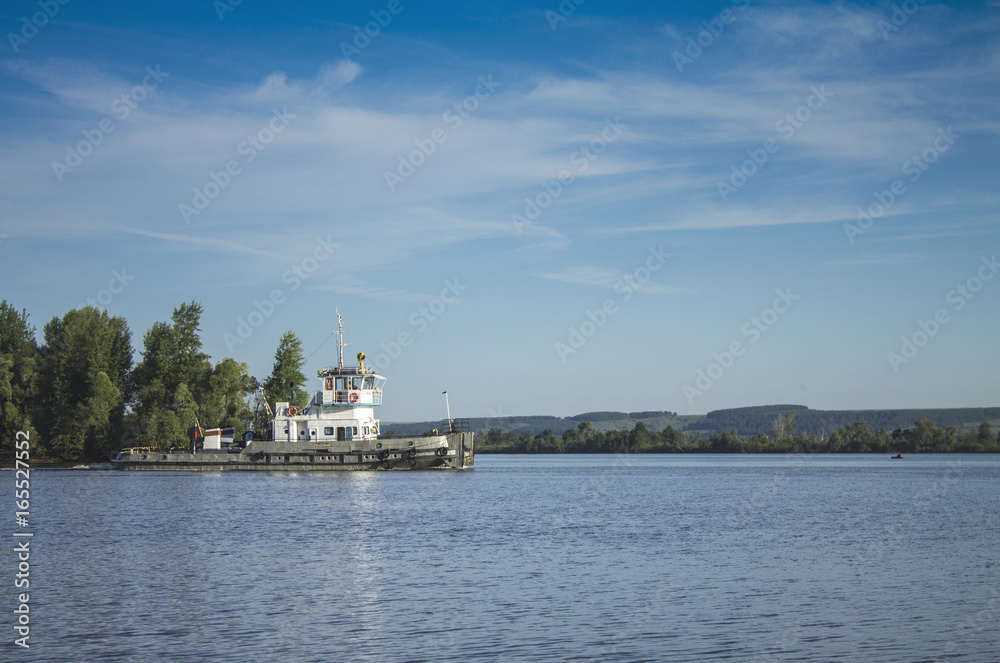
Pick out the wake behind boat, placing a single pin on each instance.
(337, 431)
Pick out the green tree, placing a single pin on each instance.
(172, 358)
(570, 440)
(546, 442)
(585, 432)
(638, 439)
(672, 439)
(926, 436)
(85, 381)
(172, 355)
(985, 436)
(18, 361)
(287, 370)
(225, 402)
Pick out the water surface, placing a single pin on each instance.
(526, 558)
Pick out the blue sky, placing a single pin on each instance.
(541, 208)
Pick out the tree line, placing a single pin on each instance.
(81, 396)
(858, 437)
(750, 420)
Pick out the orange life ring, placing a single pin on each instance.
(292, 411)
(354, 397)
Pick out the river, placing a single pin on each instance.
(525, 558)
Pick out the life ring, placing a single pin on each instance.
(385, 465)
(354, 397)
(413, 463)
(292, 411)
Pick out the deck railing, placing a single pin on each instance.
(456, 426)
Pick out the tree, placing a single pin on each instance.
(638, 438)
(172, 355)
(225, 402)
(18, 361)
(585, 430)
(985, 436)
(287, 370)
(783, 427)
(85, 378)
(926, 435)
(95, 417)
(171, 359)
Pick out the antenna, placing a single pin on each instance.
(340, 341)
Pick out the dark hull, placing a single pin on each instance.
(279, 457)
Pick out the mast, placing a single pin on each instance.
(448, 408)
(340, 342)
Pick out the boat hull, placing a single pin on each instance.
(454, 451)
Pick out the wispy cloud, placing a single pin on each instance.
(599, 276)
(217, 245)
(345, 284)
(894, 259)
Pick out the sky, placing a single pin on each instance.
(546, 208)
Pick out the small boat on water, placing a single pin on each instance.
(898, 456)
(336, 431)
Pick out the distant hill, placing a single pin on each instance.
(753, 420)
(745, 420)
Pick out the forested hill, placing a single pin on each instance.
(745, 420)
(558, 425)
(753, 420)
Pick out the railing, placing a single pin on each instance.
(365, 397)
(456, 426)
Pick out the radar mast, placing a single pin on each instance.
(340, 342)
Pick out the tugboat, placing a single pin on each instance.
(337, 431)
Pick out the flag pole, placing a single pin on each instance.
(448, 408)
